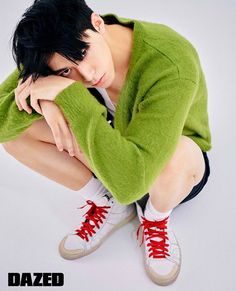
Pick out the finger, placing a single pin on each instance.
(68, 137)
(35, 105)
(21, 83)
(76, 147)
(18, 90)
(25, 106)
(16, 100)
(21, 86)
(25, 93)
(57, 137)
(21, 102)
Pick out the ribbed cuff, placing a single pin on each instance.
(77, 102)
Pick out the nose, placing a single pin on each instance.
(86, 72)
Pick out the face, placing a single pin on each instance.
(97, 62)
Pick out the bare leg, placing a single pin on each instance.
(184, 171)
(36, 149)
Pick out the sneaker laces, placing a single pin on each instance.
(154, 229)
(95, 214)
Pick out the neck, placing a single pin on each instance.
(120, 41)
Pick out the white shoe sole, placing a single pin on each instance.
(75, 254)
(160, 279)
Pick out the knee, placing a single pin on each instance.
(38, 130)
(178, 169)
(172, 170)
(180, 160)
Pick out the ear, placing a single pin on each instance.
(97, 22)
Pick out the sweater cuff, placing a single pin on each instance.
(76, 101)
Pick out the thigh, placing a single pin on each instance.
(40, 130)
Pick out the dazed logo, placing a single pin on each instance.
(35, 279)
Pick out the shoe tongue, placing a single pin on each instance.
(101, 199)
(150, 216)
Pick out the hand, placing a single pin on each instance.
(63, 135)
(44, 88)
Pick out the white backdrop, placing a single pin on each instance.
(35, 212)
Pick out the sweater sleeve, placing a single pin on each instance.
(13, 121)
(128, 164)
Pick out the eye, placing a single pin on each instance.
(65, 73)
(84, 52)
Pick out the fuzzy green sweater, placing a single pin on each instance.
(164, 97)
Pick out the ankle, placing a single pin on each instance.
(152, 213)
(160, 206)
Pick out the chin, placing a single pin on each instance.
(110, 81)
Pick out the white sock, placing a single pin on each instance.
(152, 214)
(94, 189)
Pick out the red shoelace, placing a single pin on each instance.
(153, 229)
(95, 214)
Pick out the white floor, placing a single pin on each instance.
(35, 213)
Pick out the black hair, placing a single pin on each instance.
(46, 27)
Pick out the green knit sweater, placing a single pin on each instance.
(164, 97)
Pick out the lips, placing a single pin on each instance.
(95, 84)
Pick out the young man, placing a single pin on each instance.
(80, 69)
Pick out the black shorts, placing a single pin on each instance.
(197, 188)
